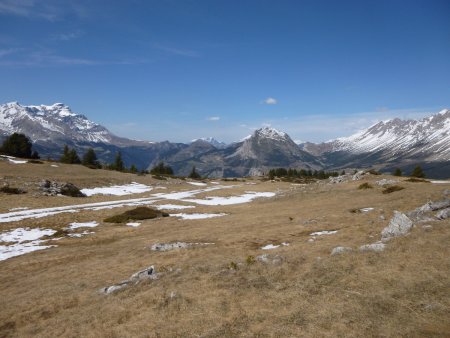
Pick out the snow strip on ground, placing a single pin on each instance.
(20, 235)
(38, 213)
(133, 224)
(76, 225)
(271, 246)
(118, 190)
(245, 198)
(172, 207)
(197, 216)
(200, 184)
(440, 182)
(325, 232)
(9, 251)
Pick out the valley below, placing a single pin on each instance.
(244, 257)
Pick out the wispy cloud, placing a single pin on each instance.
(67, 36)
(177, 51)
(213, 118)
(8, 51)
(50, 10)
(270, 101)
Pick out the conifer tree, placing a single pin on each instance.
(398, 172)
(118, 162)
(194, 174)
(418, 172)
(90, 158)
(17, 145)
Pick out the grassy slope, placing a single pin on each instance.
(400, 292)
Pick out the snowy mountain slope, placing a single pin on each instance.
(427, 138)
(51, 123)
(212, 141)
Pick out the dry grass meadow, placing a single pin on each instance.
(219, 290)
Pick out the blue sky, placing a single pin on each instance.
(182, 69)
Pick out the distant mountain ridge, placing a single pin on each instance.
(385, 145)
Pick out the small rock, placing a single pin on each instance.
(386, 181)
(427, 227)
(399, 225)
(268, 258)
(443, 214)
(340, 250)
(440, 204)
(359, 175)
(375, 247)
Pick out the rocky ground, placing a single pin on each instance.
(244, 258)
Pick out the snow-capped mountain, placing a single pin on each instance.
(212, 141)
(391, 143)
(45, 123)
(427, 138)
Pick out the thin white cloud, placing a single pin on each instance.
(50, 10)
(8, 51)
(213, 118)
(67, 36)
(270, 101)
(177, 51)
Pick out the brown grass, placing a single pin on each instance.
(416, 180)
(401, 292)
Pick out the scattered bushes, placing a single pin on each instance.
(302, 173)
(365, 186)
(161, 169)
(374, 172)
(392, 188)
(12, 191)
(136, 214)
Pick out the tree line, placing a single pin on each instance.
(301, 173)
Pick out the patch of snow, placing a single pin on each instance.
(83, 225)
(440, 182)
(200, 184)
(133, 224)
(9, 251)
(16, 209)
(20, 235)
(54, 165)
(366, 209)
(325, 232)
(84, 233)
(271, 246)
(118, 190)
(17, 161)
(197, 216)
(245, 198)
(173, 207)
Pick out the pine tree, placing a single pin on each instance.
(65, 156)
(90, 158)
(194, 174)
(418, 172)
(73, 157)
(133, 169)
(17, 145)
(118, 162)
(398, 172)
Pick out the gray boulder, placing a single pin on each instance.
(400, 225)
(340, 250)
(443, 214)
(149, 273)
(375, 247)
(270, 259)
(386, 181)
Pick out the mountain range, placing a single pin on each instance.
(385, 145)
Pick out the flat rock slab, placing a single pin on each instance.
(270, 259)
(400, 225)
(443, 214)
(148, 273)
(340, 250)
(175, 245)
(374, 247)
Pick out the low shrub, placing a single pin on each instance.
(159, 177)
(136, 214)
(71, 190)
(374, 172)
(355, 211)
(12, 191)
(392, 188)
(35, 162)
(414, 179)
(250, 259)
(365, 186)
